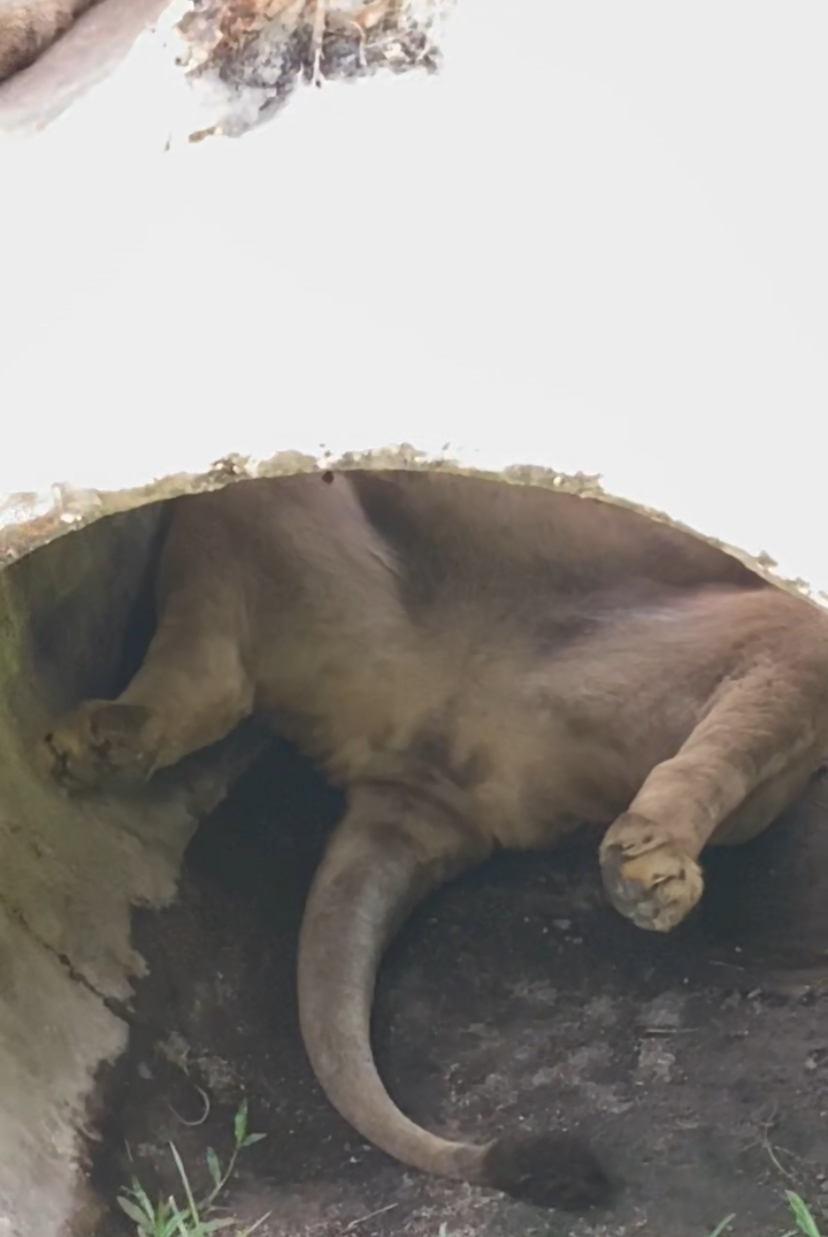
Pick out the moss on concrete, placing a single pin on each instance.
(70, 873)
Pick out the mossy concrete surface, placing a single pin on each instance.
(70, 873)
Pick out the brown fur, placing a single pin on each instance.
(481, 666)
(29, 27)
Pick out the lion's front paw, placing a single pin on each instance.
(647, 876)
(101, 744)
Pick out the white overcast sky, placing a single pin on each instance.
(598, 241)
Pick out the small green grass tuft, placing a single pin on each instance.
(805, 1222)
(168, 1218)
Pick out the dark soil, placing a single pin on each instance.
(697, 1063)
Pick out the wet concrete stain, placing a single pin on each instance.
(696, 1063)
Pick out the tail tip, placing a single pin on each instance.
(548, 1170)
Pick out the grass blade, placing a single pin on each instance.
(722, 1225)
(240, 1123)
(185, 1181)
(135, 1213)
(802, 1215)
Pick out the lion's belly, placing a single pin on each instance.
(534, 745)
(527, 775)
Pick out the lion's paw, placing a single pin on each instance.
(101, 744)
(648, 877)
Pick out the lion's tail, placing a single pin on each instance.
(389, 851)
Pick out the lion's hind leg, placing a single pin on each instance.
(748, 758)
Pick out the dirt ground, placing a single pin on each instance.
(697, 1063)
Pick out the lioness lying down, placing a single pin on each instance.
(481, 666)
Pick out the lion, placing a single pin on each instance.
(479, 666)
